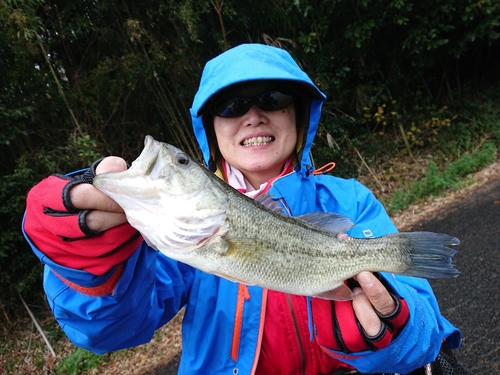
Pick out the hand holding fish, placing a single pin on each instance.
(370, 296)
(106, 213)
(370, 322)
(77, 225)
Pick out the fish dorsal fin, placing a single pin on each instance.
(334, 223)
(328, 221)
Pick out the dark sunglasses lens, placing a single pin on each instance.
(238, 106)
(274, 100)
(233, 107)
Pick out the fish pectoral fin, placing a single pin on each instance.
(218, 245)
(244, 246)
(341, 293)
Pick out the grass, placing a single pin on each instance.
(23, 351)
(79, 362)
(435, 182)
(448, 145)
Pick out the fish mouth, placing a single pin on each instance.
(258, 141)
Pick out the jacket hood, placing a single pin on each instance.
(250, 62)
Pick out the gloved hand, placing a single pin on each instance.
(338, 328)
(60, 231)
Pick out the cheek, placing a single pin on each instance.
(220, 131)
(218, 135)
(289, 127)
(291, 142)
(225, 139)
(290, 119)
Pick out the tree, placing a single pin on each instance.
(84, 79)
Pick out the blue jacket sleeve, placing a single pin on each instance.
(151, 290)
(421, 338)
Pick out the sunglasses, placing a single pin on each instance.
(239, 105)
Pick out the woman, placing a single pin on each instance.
(255, 116)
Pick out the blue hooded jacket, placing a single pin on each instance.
(154, 288)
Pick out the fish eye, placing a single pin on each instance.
(181, 159)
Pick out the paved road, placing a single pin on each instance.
(471, 301)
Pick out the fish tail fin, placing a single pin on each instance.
(431, 256)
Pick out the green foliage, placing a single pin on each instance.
(79, 362)
(435, 181)
(84, 79)
(20, 270)
(407, 81)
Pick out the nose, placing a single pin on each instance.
(254, 116)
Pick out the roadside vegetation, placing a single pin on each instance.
(437, 153)
(413, 90)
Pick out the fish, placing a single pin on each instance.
(190, 215)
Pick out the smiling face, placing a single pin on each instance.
(259, 142)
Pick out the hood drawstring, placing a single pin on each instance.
(328, 167)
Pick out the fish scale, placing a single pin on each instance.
(190, 215)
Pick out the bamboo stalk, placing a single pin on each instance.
(38, 327)
(58, 84)
(218, 8)
(367, 167)
(382, 188)
(407, 144)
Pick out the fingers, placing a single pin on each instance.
(372, 295)
(87, 197)
(111, 164)
(106, 213)
(101, 221)
(376, 293)
(367, 317)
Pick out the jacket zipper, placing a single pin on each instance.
(261, 331)
(292, 310)
(243, 295)
(297, 333)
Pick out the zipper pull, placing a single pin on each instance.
(246, 292)
(243, 295)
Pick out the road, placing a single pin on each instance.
(472, 300)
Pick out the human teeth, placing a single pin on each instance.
(257, 141)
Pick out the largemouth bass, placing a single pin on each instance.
(190, 215)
